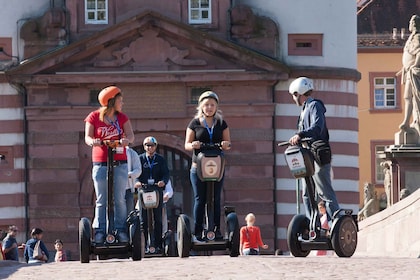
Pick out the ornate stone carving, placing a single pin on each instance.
(387, 180)
(371, 205)
(257, 32)
(404, 193)
(45, 32)
(149, 50)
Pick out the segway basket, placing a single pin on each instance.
(300, 161)
(210, 166)
(149, 199)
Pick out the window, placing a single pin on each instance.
(376, 158)
(385, 92)
(93, 97)
(199, 11)
(379, 172)
(305, 44)
(96, 11)
(196, 92)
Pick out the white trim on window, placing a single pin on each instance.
(96, 11)
(199, 11)
(385, 92)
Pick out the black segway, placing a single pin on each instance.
(111, 246)
(210, 169)
(303, 234)
(149, 199)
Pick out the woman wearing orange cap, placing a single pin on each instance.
(109, 123)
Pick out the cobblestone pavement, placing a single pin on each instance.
(221, 267)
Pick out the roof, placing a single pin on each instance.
(384, 23)
(117, 48)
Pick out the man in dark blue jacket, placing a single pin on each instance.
(312, 125)
(155, 171)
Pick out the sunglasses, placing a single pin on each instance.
(149, 145)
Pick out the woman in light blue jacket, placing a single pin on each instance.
(134, 171)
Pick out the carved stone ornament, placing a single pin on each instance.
(149, 50)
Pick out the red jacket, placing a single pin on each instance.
(251, 237)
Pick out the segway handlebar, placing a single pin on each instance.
(210, 146)
(140, 185)
(112, 143)
(286, 143)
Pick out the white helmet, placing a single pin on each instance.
(150, 140)
(301, 86)
(208, 94)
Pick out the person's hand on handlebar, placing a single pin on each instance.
(196, 145)
(294, 140)
(124, 142)
(161, 184)
(138, 185)
(96, 142)
(226, 145)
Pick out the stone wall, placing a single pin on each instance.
(393, 231)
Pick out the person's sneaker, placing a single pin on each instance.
(99, 237)
(197, 239)
(122, 237)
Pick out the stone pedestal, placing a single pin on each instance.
(405, 168)
(409, 136)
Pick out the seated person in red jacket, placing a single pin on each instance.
(251, 240)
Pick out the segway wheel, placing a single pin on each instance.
(184, 236)
(234, 235)
(84, 240)
(344, 237)
(298, 226)
(136, 237)
(169, 241)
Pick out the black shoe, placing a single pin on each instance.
(197, 239)
(158, 251)
(305, 234)
(219, 235)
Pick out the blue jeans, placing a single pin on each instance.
(200, 195)
(99, 176)
(323, 189)
(250, 252)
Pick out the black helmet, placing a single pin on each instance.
(36, 231)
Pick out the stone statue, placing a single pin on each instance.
(404, 193)
(371, 202)
(411, 77)
(387, 180)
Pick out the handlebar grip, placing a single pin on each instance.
(112, 143)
